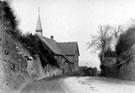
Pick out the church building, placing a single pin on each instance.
(66, 53)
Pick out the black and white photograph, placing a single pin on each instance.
(67, 46)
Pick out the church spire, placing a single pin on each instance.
(39, 26)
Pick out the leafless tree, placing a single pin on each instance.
(101, 41)
(117, 31)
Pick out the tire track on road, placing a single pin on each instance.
(62, 86)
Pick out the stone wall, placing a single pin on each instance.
(50, 71)
(35, 69)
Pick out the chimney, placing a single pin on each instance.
(52, 37)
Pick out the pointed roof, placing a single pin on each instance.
(69, 48)
(53, 46)
(39, 26)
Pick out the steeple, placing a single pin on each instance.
(39, 26)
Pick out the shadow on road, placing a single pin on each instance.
(47, 85)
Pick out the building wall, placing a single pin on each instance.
(63, 65)
(65, 69)
(75, 66)
(74, 59)
(70, 57)
(50, 71)
(70, 66)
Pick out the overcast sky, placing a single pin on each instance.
(73, 20)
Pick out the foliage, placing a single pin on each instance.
(8, 19)
(126, 40)
(35, 46)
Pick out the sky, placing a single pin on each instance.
(73, 20)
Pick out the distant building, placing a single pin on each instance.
(92, 71)
(82, 70)
(87, 71)
(66, 53)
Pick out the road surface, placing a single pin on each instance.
(80, 85)
(49, 85)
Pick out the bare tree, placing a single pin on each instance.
(101, 41)
(117, 31)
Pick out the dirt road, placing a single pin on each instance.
(80, 85)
